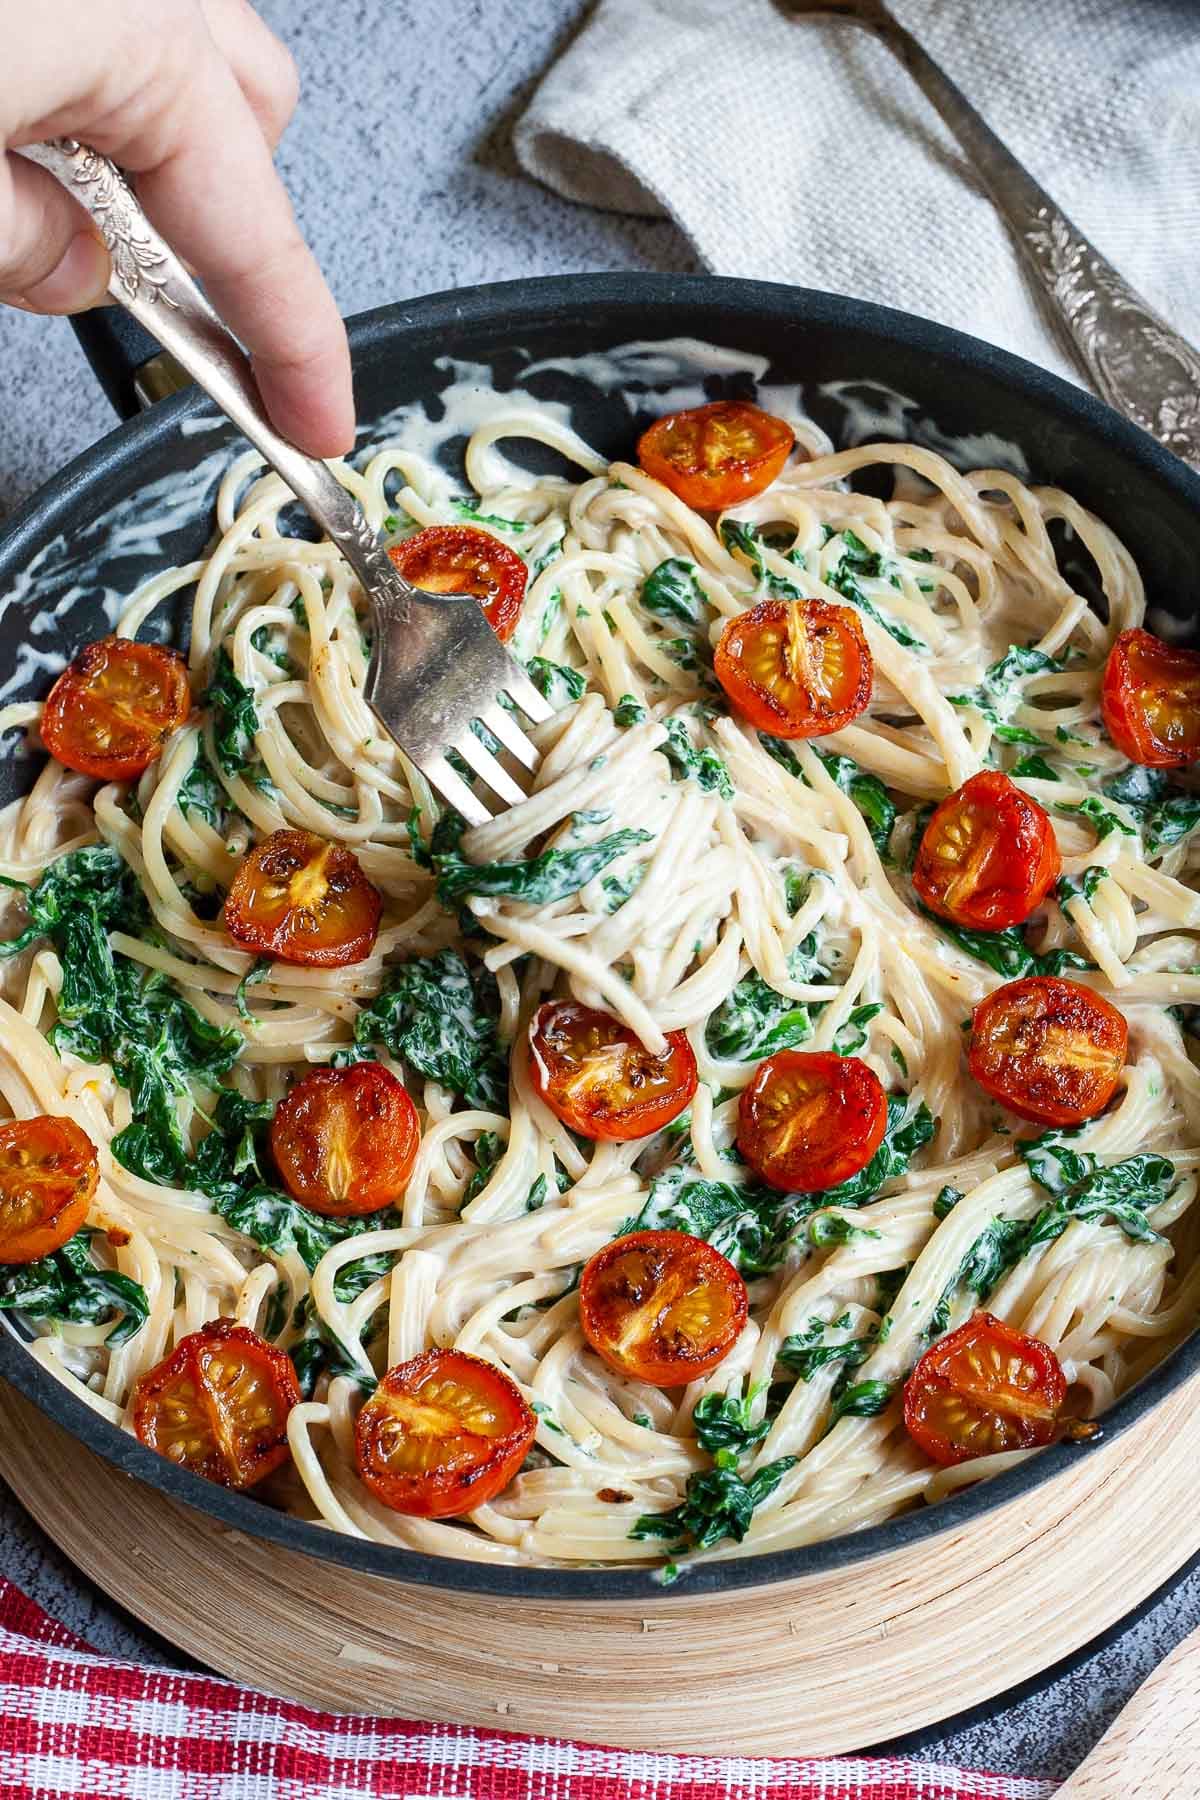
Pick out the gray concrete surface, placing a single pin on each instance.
(405, 183)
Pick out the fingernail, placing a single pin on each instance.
(79, 281)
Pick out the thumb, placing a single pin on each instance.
(51, 259)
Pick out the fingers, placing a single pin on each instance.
(263, 68)
(51, 260)
(147, 85)
(211, 188)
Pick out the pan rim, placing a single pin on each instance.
(518, 304)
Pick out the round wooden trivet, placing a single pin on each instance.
(828, 1663)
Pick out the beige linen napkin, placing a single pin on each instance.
(800, 151)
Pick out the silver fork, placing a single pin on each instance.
(1127, 350)
(437, 668)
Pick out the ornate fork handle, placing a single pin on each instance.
(1133, 357)
(151, 283)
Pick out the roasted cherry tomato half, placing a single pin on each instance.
(795, 668)
(48, 1174)
(595, 1075)
(988, 856)
(301, 899)
(1048, 1049)
(1150, 700)
(461, 559)
(716, 455)
(662, 1307)
(809, 1119)
(111, 710)
(345, 1140)
(984, 1389)
(219, 1404)
(442, 1434)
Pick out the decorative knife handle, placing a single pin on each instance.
(1140, 365)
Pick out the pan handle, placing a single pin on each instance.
(131, 366)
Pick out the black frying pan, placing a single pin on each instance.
(954, 387)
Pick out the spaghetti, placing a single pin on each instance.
(758, 895)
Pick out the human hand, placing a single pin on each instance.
(189, 96)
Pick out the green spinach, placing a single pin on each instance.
(538, 881)
(805, 1352)
(857, 561)
(68, 1285)
(862, 1400)
(1080, 887)
(1000, 692)
(829, 1229)
(743, 541)
(851, 1035)
(115, 1010)
(717, 1504)
(234, 715)
(725, 1429)
(1006, 951)
(671, 591)
(469, 507)
(1103, 821)
(1082, 1187)
(1034, 768)
(1165, 813)
(689, 764)
(753, 1225)
(555, 681)
(866, 791)
(201, 793)
(436, 1015)
(755, 1021)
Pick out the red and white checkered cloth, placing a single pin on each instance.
(77, 1726)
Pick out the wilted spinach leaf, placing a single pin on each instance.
(69, 1285)
(864, 1400)
(907, 1132)
(868, 794)
(745, 542)
(629, 711)
(804, 1352)
(855, 561)
(201, 793)
(1006, 951)
(945, 1201)
(555, 681)
(717, 1504)
(827, 1230)
(1000, 692)
(867, 791)
(1075, 887)
(671, 591)
(1099, 816)
(1035, 767)
(277, 1222)
(539, 880)
(435, 1015)
(469, 507)
(1165, 813)
(115, 1010)
(702, 766)
(724, 1427)
(235, 718)
(851, 1034)
(1085, 1188)
(755, 1021)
